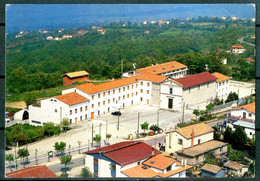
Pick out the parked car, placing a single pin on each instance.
(116, 113)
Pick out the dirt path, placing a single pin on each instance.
(17, 104)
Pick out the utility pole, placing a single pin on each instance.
(183, 111)
(138, 124)
(106, 128)
(158, 118)
(237, 97)
(100, 128)
(69, 149)
(92, 136)
(61, 118)
(36, 156)
(16, 166)
(79, 145)
(88, 144)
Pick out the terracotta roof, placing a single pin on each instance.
(151, 77)
(234, 165)
(250, 107)
(127, 152)
(237, 46)
(202, 148)
(211, 168)
(241, 118)
(198, 129)
(140, 171)
(76, 74)
(250, 59)
(161, 68)
(144, 171)
(220, 77)
(195, 79)
(173, 172)
(159, 161)
(41, 171)
(71, 98)
(92, 89)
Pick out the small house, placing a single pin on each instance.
(72, 77)
(212, 171)
(237, 49)
(236, 168)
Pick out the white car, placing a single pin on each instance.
(7, 119)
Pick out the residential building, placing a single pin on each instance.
(243, 116)
(66, 36)
(72, 77)
(224, 60)
(158, 166)
(237, 49)
(188, 136)
(153, 22)
(223, 18)
(57, 38)
(110, 161)
(49, 38)
(223, 89)
(71, 105)
(252, 19)
(193, 91)
(236, 168)
(212, 171)
(18, 36)
(41, 171)
(101, 30)
(197, 154)
(171, 69)
(234, 18)
(145, 23)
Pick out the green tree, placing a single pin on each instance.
(97, 139)
(210, 107)
(239, 138)
(65, 159)
(22, 153)
(145, 126)
(65, 123)
(108, 136)
(232, 96)
(86, 173)
(228, 135)
(196, 112)
(30, 99)
(60, 147)
(9, 157)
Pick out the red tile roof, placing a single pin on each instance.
(244, 119)
(237, 46)
(140, 171)
(195, 79)
(71, 98)
(151, 77)
(159, 161)
(250, 59)
(199, 129)
(41, 171)
(127, 152)
(161, 68)
(250, 107)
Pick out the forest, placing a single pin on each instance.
(33, 63)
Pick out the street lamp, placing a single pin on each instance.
(158, 118)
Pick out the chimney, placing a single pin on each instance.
(185, 162)
(192, 139)
(152, 152)
(181, 161)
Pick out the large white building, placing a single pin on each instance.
(223, 89)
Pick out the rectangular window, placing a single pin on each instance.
(180, 141)
(244, 114)
(119, 98)
(136, 85)
(123, 96)
(86, 108)
(104, 102)
(104, 94)
(170, 103)
(132, 86)
(76, 111)
(98, 95)
(70, 112)
(80, 118)
(113, 99)
(86, 116)
(132, 94)
(148, 84)
(141, 90)
(250, 115)
(98, 103)
(189, 89)
(92, 106)
(136, 93)
(113, 91)
(141, 83)
(123, 88)
(93, 97)
(147, 91)
(55, 110)
(127, 87)
(108, 101)
(119, 90)
(81, 109)
(127, 95)
(109, 93)
(170, 90)
(141, 99)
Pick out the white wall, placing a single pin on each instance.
(239, 112)
(223, 90)
(89, 162)
(104, 168)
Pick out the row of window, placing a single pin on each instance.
(119, 90)
(81, 109)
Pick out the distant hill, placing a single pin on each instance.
(32, 17)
